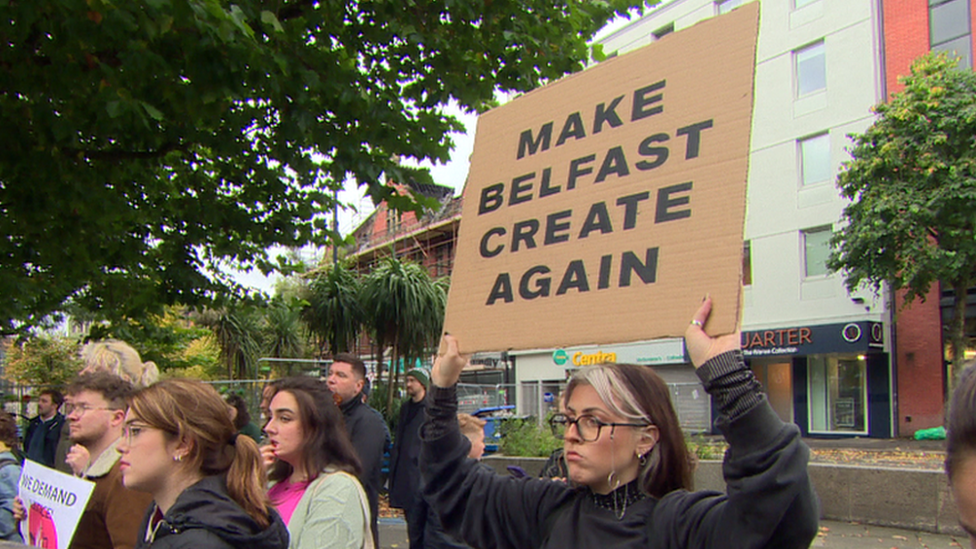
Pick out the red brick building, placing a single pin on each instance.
(912, 28)
(429, 240)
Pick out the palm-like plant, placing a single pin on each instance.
(283, 332)
(334, 313)
(405, 310)
(237, 330)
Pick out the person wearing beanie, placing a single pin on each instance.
(405, 489)
(420, 375)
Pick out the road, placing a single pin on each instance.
(833, 535)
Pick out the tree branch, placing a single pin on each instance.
(126, 155)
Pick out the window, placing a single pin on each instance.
(729, 5)
(663, 31)
(816, 248)
(747, 263)
(949, 29)
(797, 4)
(815, 159)
(811, 69)
(838, 389)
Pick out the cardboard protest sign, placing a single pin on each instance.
(54, 502)
(602, 207)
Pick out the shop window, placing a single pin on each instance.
(811, 69)
(837, 394)
(950, 29)
(814, 155)
(816, 248)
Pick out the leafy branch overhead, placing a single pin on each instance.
(147, 143)
(912, 182)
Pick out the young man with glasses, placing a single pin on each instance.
(95, 412)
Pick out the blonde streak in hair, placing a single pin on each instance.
(246, 480)
(610, 389)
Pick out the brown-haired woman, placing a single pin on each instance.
(626, 453)
(207, 483)
(315, 468)
(961, 450)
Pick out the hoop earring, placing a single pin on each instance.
(642, 459)
(178, 457)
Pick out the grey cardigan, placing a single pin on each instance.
(333, 513)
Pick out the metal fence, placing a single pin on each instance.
(473, 397)
(538, 399)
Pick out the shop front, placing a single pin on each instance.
(832, 380)
(542, 374)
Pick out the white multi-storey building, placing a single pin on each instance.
(821, 351)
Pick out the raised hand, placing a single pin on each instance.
(449, 363)
(702, 347)
(78, 459)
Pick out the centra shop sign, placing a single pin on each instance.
(560, 357)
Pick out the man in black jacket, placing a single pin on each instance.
(366, 428)
(406, 491)
(43, 431)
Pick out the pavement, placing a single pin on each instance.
(833, 535)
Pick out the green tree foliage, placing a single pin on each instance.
(237, 330)
(912, 182)
(526, 438)
(333, 310)
(171, 339)
(42, 361)
(404, 311)
(148, 143)
(283, 335)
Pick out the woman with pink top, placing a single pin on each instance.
(314, 469)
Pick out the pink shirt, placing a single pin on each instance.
(285, 496)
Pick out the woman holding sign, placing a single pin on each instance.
(208, 483)
(626, 453)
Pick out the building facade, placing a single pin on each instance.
(834, 362)
(911, 29)
(823, 353)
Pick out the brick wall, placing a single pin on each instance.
(921, 389)
(906, 36)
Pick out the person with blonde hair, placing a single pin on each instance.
(208, 483)
(627, 457)
(119, 358)
(473, 428)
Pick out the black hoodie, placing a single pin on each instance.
(204, 516)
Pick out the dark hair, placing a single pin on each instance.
(239, 404)
(55, 394)
(326, 440)
(8, 430)
(961, 431)
(358, 366)
(639, 394)
(193, 411)
(115, 390)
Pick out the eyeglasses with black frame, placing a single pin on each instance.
(587, 426)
